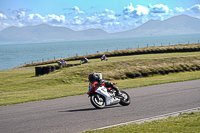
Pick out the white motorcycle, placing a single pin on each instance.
(100, 96)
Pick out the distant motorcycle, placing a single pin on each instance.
(100, 96)
(104, 58)
(84, 60)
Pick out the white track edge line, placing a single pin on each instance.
(153, 118)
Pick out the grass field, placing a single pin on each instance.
(17, 86)
(184, 123)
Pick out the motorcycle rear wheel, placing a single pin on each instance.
(98, 101)
(126, 100)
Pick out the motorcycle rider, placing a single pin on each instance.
(84, 60)
(95, 78)
(104, 58)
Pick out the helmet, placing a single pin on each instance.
(92, 77)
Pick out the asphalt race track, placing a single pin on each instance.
(76, 114)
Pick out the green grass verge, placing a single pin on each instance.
(18, 86)
(184, 123)
(19, 89)
(160, 79)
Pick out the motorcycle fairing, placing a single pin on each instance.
(92, 88)
(102, 90)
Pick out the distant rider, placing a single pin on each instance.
(84, 60)
(95, 78)
(62, 62)
(103, 57)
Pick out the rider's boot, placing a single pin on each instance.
(118, 93)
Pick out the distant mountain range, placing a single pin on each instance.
(181, 24)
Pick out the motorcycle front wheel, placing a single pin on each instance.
(126, 100)
(97, 101)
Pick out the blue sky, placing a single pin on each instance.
(109, 15)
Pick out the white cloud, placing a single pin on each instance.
(142, 10)
(141, 14)
(91, 20)
(101, 18)
(111, 17)
(158, 8)
(126, 17)
(128, 9)
(135, 12)
(2, 16)
(178, 10)
(20, 15)
(76, 21)
(55, 19)
(77, 10)
(194, 9)
(35, 17)
(50, 18)
(107, 11)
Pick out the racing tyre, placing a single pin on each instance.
(97, 101)
(126, 100)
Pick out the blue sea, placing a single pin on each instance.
(13, 55)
